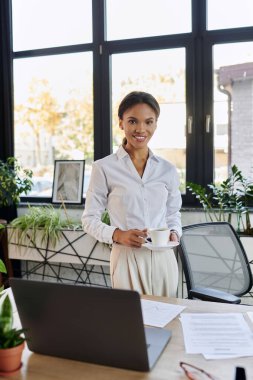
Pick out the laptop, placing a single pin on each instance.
(90, 324)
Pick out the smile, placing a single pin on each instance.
(140, 138)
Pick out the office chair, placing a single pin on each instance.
(214, 263)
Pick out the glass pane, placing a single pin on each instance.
(233, 111)
(162, 73)
(49, 23)
(229, 14)
(53, 114)
(143, 18)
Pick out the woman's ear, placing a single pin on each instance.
(121, 124)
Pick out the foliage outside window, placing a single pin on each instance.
(14, 180)
(53, 115)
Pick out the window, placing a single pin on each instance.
(146, 18)
(167, 84)
(72, 66)
(233, 113)
(46, 23)
(229, 14)
(53, 93)
(53, 112)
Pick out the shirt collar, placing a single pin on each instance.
(121, 153)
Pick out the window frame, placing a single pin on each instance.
(199, 83)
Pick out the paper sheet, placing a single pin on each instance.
(217, 336)
(250, 314)
(159, 313)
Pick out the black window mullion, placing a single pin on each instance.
(191, 136)
(6, 80)
(102, 119)
(147, 43)
(208, 140)
(203, 94)
(196, 140)
(53, 51)
(199, 28)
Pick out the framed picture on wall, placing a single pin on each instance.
(68, 181)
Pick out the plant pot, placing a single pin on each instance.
(10, 359)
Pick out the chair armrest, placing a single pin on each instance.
(213, 295)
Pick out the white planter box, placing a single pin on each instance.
(77, 257)
(74, 247)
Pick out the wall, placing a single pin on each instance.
(189, 216)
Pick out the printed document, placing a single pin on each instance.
(158, 314)
(216, 335)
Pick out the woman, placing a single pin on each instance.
(140, 190)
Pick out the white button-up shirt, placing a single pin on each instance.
(133, 202)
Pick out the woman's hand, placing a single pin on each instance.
(174, 236)
(130, 238)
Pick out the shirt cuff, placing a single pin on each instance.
(108, 233)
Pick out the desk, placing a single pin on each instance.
(41, 367)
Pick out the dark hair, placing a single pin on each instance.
(138, 97)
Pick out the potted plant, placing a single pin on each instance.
(14, 180)
(44, 224)
(232, 197)
(11, 339)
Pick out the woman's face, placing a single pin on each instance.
(139, 124)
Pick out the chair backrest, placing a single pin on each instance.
(213, 256)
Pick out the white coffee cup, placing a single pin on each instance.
(159, 236)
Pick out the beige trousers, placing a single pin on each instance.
(148, 272)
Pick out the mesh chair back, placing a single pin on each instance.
(213, 256)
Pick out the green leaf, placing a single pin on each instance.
(6, 317)
(2, 267)
(45, 219)
(106, 218)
